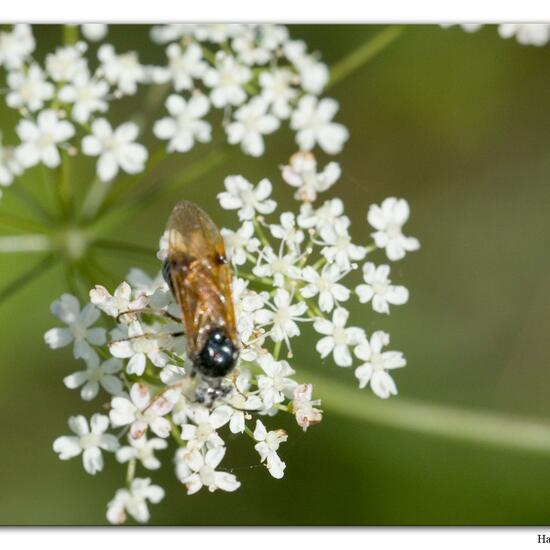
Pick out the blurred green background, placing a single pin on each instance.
(459, 125)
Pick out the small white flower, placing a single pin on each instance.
(9, 167)
(338, 338)
(267, 447)
(278, 92)
(249, 48)
(338, 246)
(241, 401)
(164, 242)
(89, 440)
(226, 80)
(67, 62)
(15, 46)
(142, 412)
(281, 316)
(94, 32)
(142, 449)
(198, 470)
(313, 122)
(205, 424)
(252, 121)
(304, 407)
(78, 330)
(280, 267)
(184, 126)
(87, 96)
(143, 284)
(533, 34)
(134, 501)
(28, 88)
(388, 220)
(314, 75)
(40, 139)
(138, 346)
(121, 301)
(238, 243)
(216, 32)
(241, 195)
(275, 383)
(377, 363)
(183, 66)
(331, 212)
(467, 27)
(302, 173)
(181, 408)
(162, 34)
(379, 289)
(325, 285)
(122, 70)
(269, 36)
(116, 149)
(96, 375)
(287, 231)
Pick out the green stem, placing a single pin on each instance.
(70, 34)
(54, 188)
(314, 311)
(254, 279)
(124, 187)
(72, 282)
(176, 436)
(154, 101)
(456, 423)
(24, 243)
(261, 233)
(319, 263)
(277, 349)
(24, 196)
(125, 210)
(21, 224)
(364, 53)
(65, 185)
(131, 471)
(94, 198)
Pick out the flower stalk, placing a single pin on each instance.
(473, 427)
(364, 53)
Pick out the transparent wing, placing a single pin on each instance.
(193, 234)
(200, 274)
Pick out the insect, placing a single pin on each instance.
(199, 276)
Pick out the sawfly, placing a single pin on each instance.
(199, 276)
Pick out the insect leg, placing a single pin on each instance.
(148, 310)
(166, 267)
(149, 335)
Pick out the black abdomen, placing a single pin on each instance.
(218, 356)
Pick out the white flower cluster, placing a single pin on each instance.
(295, 268)
(255, 74)
(527, 34)
(301, 266)
(154, 393)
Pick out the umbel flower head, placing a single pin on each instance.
(256, 75)
(286, 274)
(295, 271)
